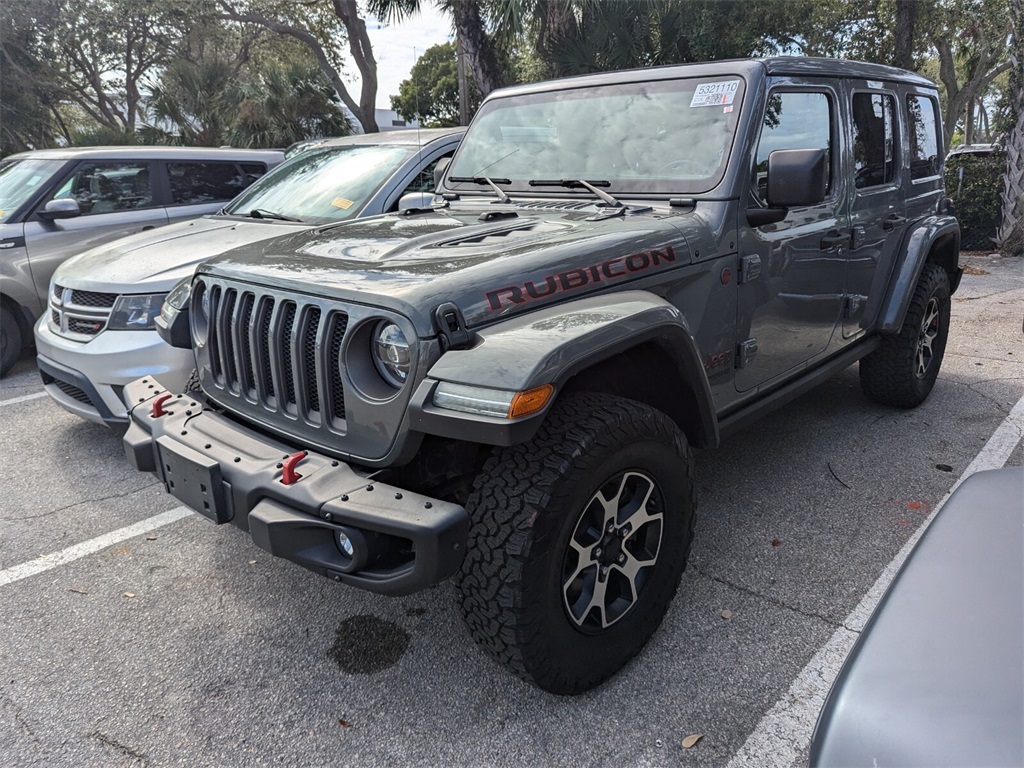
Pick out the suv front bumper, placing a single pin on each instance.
(230, 473)
(87, 378)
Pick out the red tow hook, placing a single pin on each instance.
(288, 473)
(158, 405)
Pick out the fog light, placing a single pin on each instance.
(345, 544)
(354, 549)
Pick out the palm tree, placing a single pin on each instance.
(1010, 236)
(289, 103)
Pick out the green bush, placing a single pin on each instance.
(974, 181)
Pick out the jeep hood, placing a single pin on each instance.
(490, 262)
(153, 261)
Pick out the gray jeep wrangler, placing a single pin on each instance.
(505, 385)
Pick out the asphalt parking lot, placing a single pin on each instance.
(137, 633)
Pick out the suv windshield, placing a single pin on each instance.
(660, 137)
(321, 185)
(21, 178)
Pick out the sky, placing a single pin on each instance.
(397, 46)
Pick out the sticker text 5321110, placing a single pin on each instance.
(717, 94)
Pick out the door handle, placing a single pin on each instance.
(148, 227)
(834, 240)
(891, 222)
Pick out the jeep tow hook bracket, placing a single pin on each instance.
(451, 326)
(288, 474)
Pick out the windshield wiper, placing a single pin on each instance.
(262, 213)
(577, 183)
(485, 180)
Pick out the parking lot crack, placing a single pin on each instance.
(20, 719)
(126, 750)
(80, 502)
(768, 598)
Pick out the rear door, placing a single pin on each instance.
(116, 198)
(878, 217)
(198, 187)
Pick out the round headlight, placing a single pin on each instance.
(200, 314)
(391, 353)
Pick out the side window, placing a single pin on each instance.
(197, 182)
(924, 137)
(253, 171)
(793, 120)
(874, 142)
(424, 181)
(104, 187)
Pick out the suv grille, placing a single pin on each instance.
(277, 359)
(79, 313)
(260, 347)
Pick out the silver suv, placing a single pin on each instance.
(56, 203)
(99, 331)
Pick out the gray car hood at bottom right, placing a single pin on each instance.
(937, 676)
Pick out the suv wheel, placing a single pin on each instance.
(578, 541)
(902, 371)
(10, 340)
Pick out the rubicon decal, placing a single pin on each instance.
(572, 279)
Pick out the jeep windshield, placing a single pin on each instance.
(321, 185)
(665, 137)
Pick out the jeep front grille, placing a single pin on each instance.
(267, 351)
(301, 366)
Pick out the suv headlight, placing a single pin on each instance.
(135, 313)
(391, 353)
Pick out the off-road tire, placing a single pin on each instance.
(192, 383)
(902, 371)
(10, 340)
(530, 507)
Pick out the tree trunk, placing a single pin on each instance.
(478, 50)
(906, 19)
(359, 47)
(1010, 235)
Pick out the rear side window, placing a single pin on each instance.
(424, 181)
(103, 187)
(874, 158)
(797, 120)
(197, 182)
(924, 136)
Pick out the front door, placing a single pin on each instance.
(791, 272)
(116, 198)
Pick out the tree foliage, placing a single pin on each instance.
(431, 94)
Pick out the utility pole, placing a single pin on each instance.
(460, 57)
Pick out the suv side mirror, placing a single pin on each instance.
(439, 171)
(415, 200)
(63, 208)
(797, 177)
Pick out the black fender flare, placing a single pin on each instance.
(550, 346)
(915, 249)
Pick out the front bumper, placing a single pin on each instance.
(88, 378)
(230, 473)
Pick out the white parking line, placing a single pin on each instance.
(54, 559)
(22, 399)
(785, 730)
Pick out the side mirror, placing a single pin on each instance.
(63, 208)
(439, 171)
(797, 177)
(415, 200)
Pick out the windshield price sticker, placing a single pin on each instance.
(715, 94)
